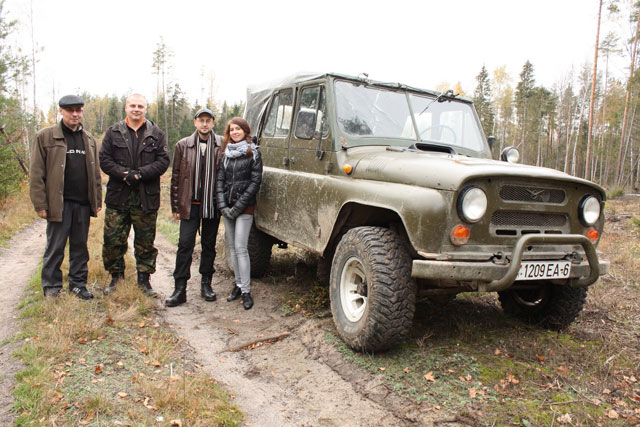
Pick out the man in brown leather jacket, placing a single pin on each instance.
(195, 164)
(65, 188)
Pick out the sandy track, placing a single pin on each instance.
(298, 381)
(17, 264)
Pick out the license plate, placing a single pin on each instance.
(544, 270)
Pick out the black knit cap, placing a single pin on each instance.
(70, 101)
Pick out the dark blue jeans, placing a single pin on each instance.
(75, 228)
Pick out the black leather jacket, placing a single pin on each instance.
(116, 159)
(238, 181)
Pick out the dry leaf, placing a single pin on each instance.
(98, 369)
(122, 394)
(82, 340)
(562, 370)
(497, 352)
(541, 359)
(512, 379)
(156, 363)
(141, 324)
(109, 320)
(405, 370)
(565, 419)
(88, 419)
(613, 414)
(429, 376)
(473, 392)
(223, 360)
(176, 423)
(606, 391)
(382, 369)
(144, 350)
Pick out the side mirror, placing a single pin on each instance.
(510, 154)
(492, 141)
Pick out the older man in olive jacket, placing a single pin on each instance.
(66, 189)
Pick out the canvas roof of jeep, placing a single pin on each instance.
(258, 95)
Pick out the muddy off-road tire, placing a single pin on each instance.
(259, 247)
(550, 306)
(372, 293)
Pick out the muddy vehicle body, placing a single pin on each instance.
(395, 189)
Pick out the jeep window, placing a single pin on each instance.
(279, 118)
(311, 113)
(449, 122)
(372, 112)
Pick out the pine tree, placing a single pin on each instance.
(482, 98)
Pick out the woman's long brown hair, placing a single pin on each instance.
(244, 125)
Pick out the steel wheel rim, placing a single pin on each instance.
(353, 281)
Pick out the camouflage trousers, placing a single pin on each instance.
(117, 225)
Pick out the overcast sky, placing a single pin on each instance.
(105, 46)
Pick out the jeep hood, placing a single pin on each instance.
(440, 170)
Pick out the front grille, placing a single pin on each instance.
(527, 219)
(517, 193)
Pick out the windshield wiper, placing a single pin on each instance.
(440, 98)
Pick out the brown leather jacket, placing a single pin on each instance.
(182, 173)
(46, 172)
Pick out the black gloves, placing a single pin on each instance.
(132, 177)
(230, 213)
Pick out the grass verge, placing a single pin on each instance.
(109, 361)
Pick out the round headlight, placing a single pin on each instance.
(510, 154)
(472, 204)
(589, 210)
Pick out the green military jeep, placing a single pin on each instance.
(395, 189)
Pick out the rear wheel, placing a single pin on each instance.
(259, 247)
(372, 292)
(550, 306)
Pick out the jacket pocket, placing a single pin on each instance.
(149, 153)
(121, 151)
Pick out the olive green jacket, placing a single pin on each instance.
(46, 172)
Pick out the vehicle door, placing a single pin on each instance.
(308, 164)
(274, 147)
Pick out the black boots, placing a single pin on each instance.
(205, 289)
(179, 295)
(81, 292)
(247, 301)
(145, 285)
(235, 294)
(115, 278)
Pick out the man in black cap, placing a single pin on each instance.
(195, 164)
(65, 188)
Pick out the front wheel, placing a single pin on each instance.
(372, 292)
(550, 306)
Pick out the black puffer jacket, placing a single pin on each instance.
(238, 181)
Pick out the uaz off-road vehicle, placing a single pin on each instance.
(394, 187)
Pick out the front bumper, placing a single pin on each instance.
(492, 277)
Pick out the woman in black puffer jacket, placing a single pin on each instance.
(238, 182)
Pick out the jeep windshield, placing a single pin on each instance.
(381, 116)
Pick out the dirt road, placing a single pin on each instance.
(17, 263)
(299, 380)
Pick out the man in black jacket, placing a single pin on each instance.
(134, 154)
